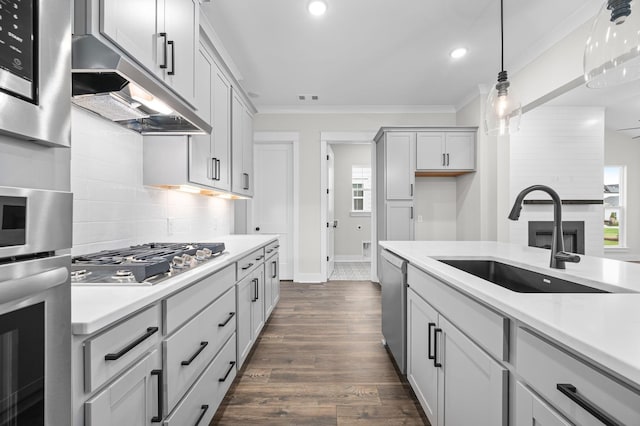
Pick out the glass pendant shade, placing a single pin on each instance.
(612, 53)
(503, 109)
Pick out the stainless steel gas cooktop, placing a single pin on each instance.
(144, 264)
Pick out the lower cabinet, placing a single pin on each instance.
(448, 371)
(134, 399)
(400, 224)
(271, 284)
(251, 311)
(257, 303)
(531, 410)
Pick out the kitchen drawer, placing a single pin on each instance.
(543, 366)
(112, 351)
(271, 249)
(485, 327)
(201, 402)
(190, 349)
(249, 263)
(187, 303)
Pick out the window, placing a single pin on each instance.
(361, 189)
(614, 206)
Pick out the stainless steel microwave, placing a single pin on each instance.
(35, 70)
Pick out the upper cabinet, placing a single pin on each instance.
(446, 150)
(399, 154)
(242, 147)
(162, 35)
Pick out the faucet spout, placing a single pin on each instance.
(558, 255)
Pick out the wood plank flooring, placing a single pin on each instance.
(320, 361)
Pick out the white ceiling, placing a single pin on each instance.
(383, 53)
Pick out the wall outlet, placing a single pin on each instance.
(419, 218)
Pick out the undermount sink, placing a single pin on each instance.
(518, 279)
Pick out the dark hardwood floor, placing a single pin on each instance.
(320, 361)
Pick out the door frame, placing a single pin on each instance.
(292, 138)
(335, 138)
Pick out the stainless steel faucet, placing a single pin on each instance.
(558, 255)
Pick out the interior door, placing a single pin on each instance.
(330, 211)
(272, 204)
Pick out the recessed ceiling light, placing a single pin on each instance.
(458, 53)
(317, 7)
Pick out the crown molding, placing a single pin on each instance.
(356, 109)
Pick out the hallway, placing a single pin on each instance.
(320, 361)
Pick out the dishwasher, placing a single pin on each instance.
(393, 281)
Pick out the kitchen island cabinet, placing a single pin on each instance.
(145, 355)
(550, 358)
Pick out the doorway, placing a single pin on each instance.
(347, 206)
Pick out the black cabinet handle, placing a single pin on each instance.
(255, 289)
(274, 268)
(200, 349)
(412, 190)
(246, 179)
(259, 257)
(447, 158)
(164, 51)
(435, 347)
(218, 168)
(231, 315)
(443, 160)
(231, 365)
(245, 267)
(411, 212)
(429, 356)
(173, 57)
(158, 418)
(572, 393)
(145, 336)
(204, 409)
(213, 169)
(270, 251)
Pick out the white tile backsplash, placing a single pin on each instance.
(112, 208)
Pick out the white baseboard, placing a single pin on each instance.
(308, 278)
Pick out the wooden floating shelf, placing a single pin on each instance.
(570, 202)
(443, 173)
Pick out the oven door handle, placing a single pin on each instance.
(19, 288)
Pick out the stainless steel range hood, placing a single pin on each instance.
(109, 84)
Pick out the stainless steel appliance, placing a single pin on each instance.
(35, 62)
(394, 306)
(35, 307)
(144, 264)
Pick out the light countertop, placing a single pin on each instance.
(602, 328)
(96, 306)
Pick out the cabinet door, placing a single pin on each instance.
(275, 276)
(400, 222)
(202, 166)
(400, 165)
(461, 150)
(132, 26)
(268, 289)
(130, 400)
(247, 155)
(181, 23)
(421, 372)
(245, 293)
(530, 410)
(430, 151)
(221, 134)
(237, 145)
(468, 378)
(258, 303)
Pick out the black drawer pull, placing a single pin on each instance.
(429, 356)
(172, 43)
(164, 50)
(145, 336)
(270, 251)
(231, 315)
(244, 268)
(200, 349)
(572, 393)
(255, 290)
(274, 268)
(204, 409)
(231, 365)
(435, 347)
(259, 258)
(278, 246)
(158, 418)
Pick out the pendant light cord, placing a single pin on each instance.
(502, 35)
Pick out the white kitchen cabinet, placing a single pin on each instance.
(271, 282)
(531, 410)
(161, 35)
(258, 303)
(445, 150)
(241, 147)
(251, 313)
(130, 400)
(400, 222)
(209, 155)
(399, 166)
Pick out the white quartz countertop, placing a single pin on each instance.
(94, 307)
(602, 328)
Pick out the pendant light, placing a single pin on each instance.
(612, 53)
(503, 109)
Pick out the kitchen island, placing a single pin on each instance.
(167, 353)
(533, 342)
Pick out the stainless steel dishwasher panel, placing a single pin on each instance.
(394, 306)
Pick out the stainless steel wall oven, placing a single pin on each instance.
(35, 307)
